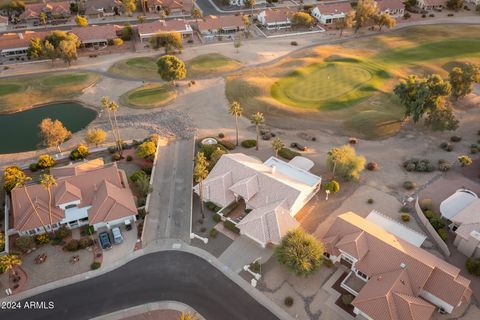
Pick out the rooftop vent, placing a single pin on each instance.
(403, 265)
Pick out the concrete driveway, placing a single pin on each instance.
(120, 251)
(243, 251)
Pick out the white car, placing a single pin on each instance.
(117, 235)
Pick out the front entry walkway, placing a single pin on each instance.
(244, 251)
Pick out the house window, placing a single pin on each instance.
(70, 206)
(31, 232)
(362, 275)
(328, 21)
(326, 254)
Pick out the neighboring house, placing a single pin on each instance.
(327, 13)
(220, 25)
(272, 192)
(90, 193)
(462, 209)
(240, 3)
(102, 8)
(91, 36)
(475, 2)
(395, 8)
(429, 5)
(390, 278)
(3, 23)
(170, 7)
(148, 30)
(16, 44)
(275, 18)
(54, 11)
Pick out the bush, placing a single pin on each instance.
(444, 165)
(407, 16)
(409, 185)
(216, 217)
(288, 301)
(424, 15)
(57, 242)
(288, 154)
(455, 138)
(443, 234)
(231, 226)
(95, 265)
(112, 149)
(129, 158)
(33, 167)
(294, 43)
(428, 214)
(45, 161)
(249, 143)
(426, 204)
(255, 267)
(437, 223)
(333, 186)
(80, 152)
(373, 166)
(418, 165)
(431, 15)
(450, 15)
(213, 233)
(85, 242)
(446, 146)
(116, 156)
(327, 263)
(404, 209)
(43, 238)
(72, 245)
(63, 232)
(370, 201)
(147, 170)
(228, 144)
(24, 243)
(473, 266)
(209, 149)
(348, 165)
(405, 217)
(221, 135)
(137, 175)
(347, 299)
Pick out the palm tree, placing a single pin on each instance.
(113, 107)
(47, 181)
(43, 18)
(236, 110)
(277, 145)
(188, 316)
(22, 182)
(10, 261)
(200, 173)
(257, 119)
(196, 14)
(106, 104)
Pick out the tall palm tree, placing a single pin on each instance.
(200, 173)
(236, 110)
(257, 119)
(47, 181)
(188, 316)
(106, 105)
(9, 261)
(196, 14)
(22, 182)
(113, 107)
(277, 145)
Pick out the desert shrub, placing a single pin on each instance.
(409, 185)
(426, 204)
(221, 135)
(216, 155)
(45, 161)
(428, 214)
(72, 245)
(404, 209)
(63, 232)
(372, 166)
(437, 223)
(418, 165)
(370, 201)
(405, 217)
(431, 15)
(288, 301)
(450, 15)
(112, 149)
(24, 243)
(209, 149)
(327, 263)
(407, 16)
(33, 167)
(347, 299)
(443, 234)
(147, 170)
(95, 265)
(255, 267)
(231, 226)
(85, 242)
(213, 233)
(333, 186)
(229, 145)
(348, 165)
(288, 154)
(444, 165)
(446, 146)
(129, 158)
(216, 217)
(43, 238)
(249, 143)
(80, 152)
(116, 156)
(139, 174)
(294, 43)
(455, 138)
(473, 266)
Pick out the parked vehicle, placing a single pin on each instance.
(117, 235)
(105, 240)
(128, 225)
(298, 146)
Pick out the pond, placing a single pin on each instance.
(19, 131)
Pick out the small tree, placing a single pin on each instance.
(81, 21)
(50, 51)
(147, 149)
(9, 262)
(333, 186)
(237, 44)
(300, 252)
(247, 24)
(455, 4)
(250, 4)
(35, 49)
(196, 14)
(68, 51)
(462, 79)
(45, 161)
(129, 6)
(236, 110)
(142, 185)
(465, 161)
(345, 162)
(127, 32)
(347, 22)
(200, 173)
(53, 133)
(171, 41)
(95, 136)
(301, 19)
(80, 152)
(364, 12)
(11, 175)
(277, 145)
(257, 119)
(170, 68)
(24, 243)
(42, 17)
(384, 19)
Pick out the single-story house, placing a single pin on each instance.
(16, 44)
(429, 5)
(102, 8)
(87, 193)
(3, 23)
(395, 8)
(462, 208)
(148, 30)
(275, 18)
(241, 3)
(391, 278)
(170, 7)
(272, 192)
(95, 35)
(220, 25)
(53, 11)
(327, 13)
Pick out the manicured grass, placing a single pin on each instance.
(149, 96)
(20, 93)
(347, 88)
(143, 68)
(210, 64)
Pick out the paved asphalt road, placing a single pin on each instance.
(167, 275)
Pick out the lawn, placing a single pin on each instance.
(210, 64)
(149, 96)
(347, 88)
(143, 68)
(19, 93)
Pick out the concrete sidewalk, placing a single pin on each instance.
(244, 251)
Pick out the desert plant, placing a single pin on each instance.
(24, 243)
(95, 265)
(42, 238)
(437, 223)
(72, 245)
(370, 201)
(63, 232)
(249, 143)
(405, 217)
(45, 161)
(213, 233)
(409, 185)
(373, 166)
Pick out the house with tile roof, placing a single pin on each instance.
(395, 8)
(400, 280)
(241, 3)
(148, 30)
(170, 7)
(92, 193)
(53, 10)
(102, 8)
(16, 44)
(272, 192)
(332, 12)
(95, 35)
(429, 5)
(212, 26)
(278, 18)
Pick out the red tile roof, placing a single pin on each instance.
(334, 8)
(218, 22)
(101, 32)
(177, 25)
(390, 5)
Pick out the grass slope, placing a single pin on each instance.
(143, 68)
(210, 64)
(19, 93)
(149, 96)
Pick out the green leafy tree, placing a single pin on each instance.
(129, 6)
(81, 21)
(442, 119)
(462, 79)
(35, 49)
(53, 133)
(236, 110)
(332, 186)
(345, 162)
(95, 136)
(301, 19)
(45, 161)
(384, 20)
(464, 161)
(257, 119)
(277, 145)
(214, 157)
(142, 185)
(455, 4)
(127, 32)
(171, 41)
(57, 36)
(300, 252)
(364, 13)
(170, 68)
(147, 149)
(9, 262)
(200, 173)
(11, 175)
(48, 181)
